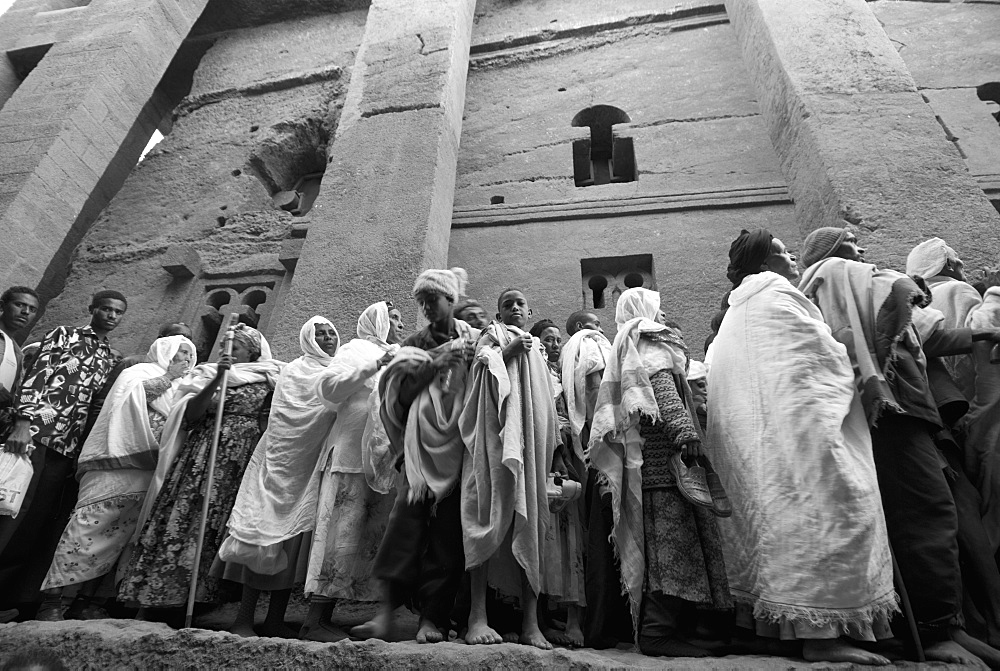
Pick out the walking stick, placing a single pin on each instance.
(907, 609)
(210, 475)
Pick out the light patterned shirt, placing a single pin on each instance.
(72, 366)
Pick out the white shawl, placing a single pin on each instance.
(122, 437)
(278, 496)
(585, 353)
(789, 438)
(263, 369)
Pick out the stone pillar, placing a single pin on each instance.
(855, 138)
(67, 130)
(384, 211)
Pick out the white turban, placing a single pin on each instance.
(929, 258)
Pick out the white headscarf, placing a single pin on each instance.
(278, 495)
(307, 339)
(373, 324)
(929, 258)
(121, 437)
(638, 303)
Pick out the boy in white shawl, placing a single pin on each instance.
(510, 429)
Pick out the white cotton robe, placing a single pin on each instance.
(807, 544)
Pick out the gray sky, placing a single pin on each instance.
(4, 4)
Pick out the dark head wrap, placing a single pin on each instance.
(747, 253)
(540, 326)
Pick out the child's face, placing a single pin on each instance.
(475, 317)
(514, 309)
(436, 307)
(591, 323)
(552, 342)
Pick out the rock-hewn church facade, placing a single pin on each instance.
(320, 153)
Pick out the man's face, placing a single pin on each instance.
(955, 268)
(591, 323)
(107, 314)
(849, 249)
(19, 311)
(475, 317)
(436, 307)
(513, 308)
(781, 261)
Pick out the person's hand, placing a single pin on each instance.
(20, 438)
(226, 362)
(449, 357)
(691, 449)
(176, 369)
(522, 343)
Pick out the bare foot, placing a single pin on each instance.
(512, 637)
(324, 632)
(557, 637)
(281, 630)
(984, 651)
(428, 632)
(836, 650)
(377, 627)
(952, 653)
(244, 630)
(534, 636)
(480, 633)
(575, 635)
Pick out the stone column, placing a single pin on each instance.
(855, 138)
(68, 130)
(384, 211)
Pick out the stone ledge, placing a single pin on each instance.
(106, 644)
(509, 215)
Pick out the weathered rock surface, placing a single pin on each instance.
(111, 644)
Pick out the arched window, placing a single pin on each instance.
(990, 93)
(604, 158)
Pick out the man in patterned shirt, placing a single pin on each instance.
(72, 366)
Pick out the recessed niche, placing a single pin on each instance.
(605, 278)
(604, 158)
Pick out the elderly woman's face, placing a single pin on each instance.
(183, 356)
(395, 326)
(781, 261)
(241, 352)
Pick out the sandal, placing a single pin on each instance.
(691, 482)
(720, 499)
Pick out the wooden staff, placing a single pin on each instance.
(230, 333)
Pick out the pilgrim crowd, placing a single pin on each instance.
(825, 483)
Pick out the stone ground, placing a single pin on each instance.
(108, 644)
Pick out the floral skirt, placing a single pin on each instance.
(159, 571)
(683, 550)
(350, 523)
(99, 527)
(562, 568)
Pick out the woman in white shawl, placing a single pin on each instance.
(806, 549)
(271, 524)
(158, 573)
(115, 467)
(670, 550)
(353, 509)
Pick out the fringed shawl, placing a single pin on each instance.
(868, 311)
(615, 449)
(786, 432)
